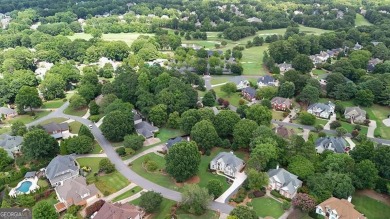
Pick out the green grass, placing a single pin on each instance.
(350, 127)
(55, 120)
(43, 183)
(74, 127)
(53, 104)
(92, 162)
(278, 115)
(208, 214)
(233, 99)
(4, 130)
(371, 208)
(166, 133)
(219, 80)
(360, 20)
(27, 118)
(252, 60)
(321, 121)
(52, 199)
(379, 113)
(96, 148)
(127, 194)
(267, 207)
(144, 148)
(73, 112)
(163, 211)
(110, 183)
(318, 72)
(128, 38)
(201, 93)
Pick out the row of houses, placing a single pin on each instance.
(325, 110)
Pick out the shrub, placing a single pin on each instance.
(278, 195)
(225, 143)
(258, 194)
(226, 103)
(240, 196)
(151, 166)
(93, 208)
(321, 134)
(220, 101)
(134, 141)
(215, 188)
(106, 166)
(94, 118)
(121, 151)
(286, 205)
(366, 122)
(307, 118)
(335, 124)
(354, 133)
(251, 195)
(73, 210)
(358, 127)
(241, 102)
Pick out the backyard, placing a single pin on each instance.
(379, 113)
(166, 133)
(74, 127)
(371, 208)
(266, 206)
(233, 98)
(27, 118)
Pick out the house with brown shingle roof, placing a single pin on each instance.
(284, 132)
(334, 208)
(280, 103)
(119, 211)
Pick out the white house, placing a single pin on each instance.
(240, 82)
(227, 163)
(322, 110)
(283, 181)
(334, 208)
(266, 80)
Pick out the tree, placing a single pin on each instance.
(382, 161)
(225, 121)
(188, 119)
(24, 200)
(27, 97)
(69, 216)
(215, 188)
(38, 144)
(287, 89)
(18, 128)
(364, 98)
(365, 175)
(339, 163)
(301, 167)
(117, 124)
(341, 131)
(174, 120)
(242, 132)
(267, 92)
(106, 166)
(124, 107)
(79, 144)
(87, 91)
(304, 202)
(208, 99)
(77, 102)
(257, 180)
(362, 151)
(302, 63)
(243, 212)
(309, 95)
(150, 201)
(195, 199)
(260, 114)
(44, 209)
(158, 114)
(93, 108)
(204, 134)
(229, 88)
(182, 161)
(85, 131)
(52, 87)
(5, 160)
(134, 141)
(261, 155)
(307, 118)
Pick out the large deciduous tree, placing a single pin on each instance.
(182, 161)
(256, 179)
(205, 135)
(302, 63)
(215, 188)
(52, 87)
(309, 95)
(382, 161)
(242, 132)
(134, 141)
(44, 209)
(188, 119)
(261, 155)
(117, 124)
(195, 199)
(77, 102)
(225, 121)
(229, 88)
(365, 175)
(287, 89)
(38, 144)
(150, 201)
(158, 114)
(304, 202)
(301, 167)
(364, 98)
(27, 97)
(5, 160)
(243, 212)
(208, 99)
(260, 114)
(79, 144)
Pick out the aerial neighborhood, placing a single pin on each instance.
(133, 109)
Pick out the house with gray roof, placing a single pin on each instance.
(75, 192)
(173, 141)
(254, 20)
(61, 168)
(355, 114)
(335, 144)
(7, 112)
(266, 80)
(283, 67)
(142, 127)
(11, 144)
(227, 163)
(322, 110)
(56, 130)
(240, 82)
(372, 63)
(283, 181)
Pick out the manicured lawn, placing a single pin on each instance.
(92, 162)
(379, 113)
(350, 127)
(166, 133)
(55, 120)
(321, 121)
(252, 60)
(208, 214)
(4, 130)
(110, 183)
(201, 93)
(278, 115)
(74, 127)
(360, 20)
(53, 104)
(164, 210)
(267, 207)
(371, 208)
(233, 99)
(127, 194)
(126, 37)
(27, 118)
(43, 183)
(220, 79)
(318, 72)
(205, 176)
(96, 148)
(73, 112)
(144, 148)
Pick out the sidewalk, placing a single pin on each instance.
(133, 197)
(91, 155)
(114, 195)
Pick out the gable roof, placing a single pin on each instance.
(229, 159)
(281, 100)
(283, 132)
(30, 174)
(266, 79)
(6, 110)
(173, 141)
(354, 111)
(10, 143)
(322, 106)
(344, 208)
(146, 129)
(51, 127)
(75, 190)
(59, 165)
(336, 144)
(118, 211)
(250, 91)
(254, 20)
(289, 181)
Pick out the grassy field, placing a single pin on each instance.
(360, 21)
(233, 99)
(126, 37)
(74, 127)
(371, 208)
(166, 133)
(53, 104)
(55, 120)
(220, 79)
(208, 214)
(73, 112)
(321, 121)
(379, 113)
(27, 118)
(318, 72)
(127, 194)
(278, 115)
(350, 127)
(267, 207)
(252, 60)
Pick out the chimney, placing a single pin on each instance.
(349, 198)
(231, 152)
(277, 166)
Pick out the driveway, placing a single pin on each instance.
(240, 178)
(331, 119)
(371, 129)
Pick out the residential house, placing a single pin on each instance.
(266, 81)
(143, 128)
(75, 192)
(283, 132)
(334, 208)
(357, 46)
(283, 181)
(283, 67)
(173, 141)
(119, 211)
(11, 144)
(227, 163)
(320, 58)
(249, 93)
(322, 110)
(372, 63)
(164, 17)
(7, 112)
(56, 130)
(212, 52)
(61, 168)
(375, 43)
(198, 24)
(335, 144)
(254, 20)
(30, 175)
(213, 24)
(280, 103)
(298, 12)
(355, 114)
(240, 82)
(340, 15)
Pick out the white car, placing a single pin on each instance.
(90, 126)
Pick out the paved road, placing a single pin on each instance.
(121, 166)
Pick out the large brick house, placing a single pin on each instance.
(280, 103)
